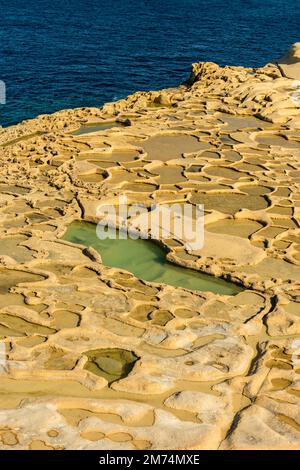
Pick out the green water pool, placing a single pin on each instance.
(146, 260)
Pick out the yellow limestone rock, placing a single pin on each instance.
(211, 371)
(290, 62)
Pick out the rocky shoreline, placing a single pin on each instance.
(211, 371)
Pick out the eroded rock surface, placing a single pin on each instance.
(171, 368)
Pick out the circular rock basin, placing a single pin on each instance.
(236, 123)
(101, 126)
(10, 278)
(168, 147)
(224, 172)
(112, 364)
(92, 177)
(229, 203)
(276, 139)
(239, 228)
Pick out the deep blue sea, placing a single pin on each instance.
(70, 53)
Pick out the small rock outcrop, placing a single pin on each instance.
(290, 62)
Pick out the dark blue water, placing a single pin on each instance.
(70, 53)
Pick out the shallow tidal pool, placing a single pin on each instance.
(101, 126)
(146, 260)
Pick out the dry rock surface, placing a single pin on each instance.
(94, 358)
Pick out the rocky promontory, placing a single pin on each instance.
(207, 371)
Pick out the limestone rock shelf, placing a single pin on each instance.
(229, 138)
